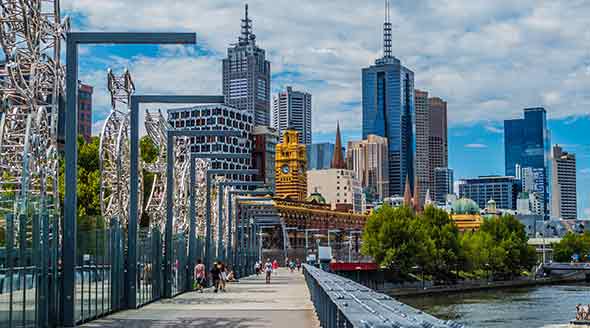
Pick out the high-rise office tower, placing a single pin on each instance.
(501, 189)
(527, 144)
(369, 160)
(443, 184)
(439, 144)
(423, 167)
(292, 110)
(246, 76)
(319, 155)
(85, 111)
(564, 202)
(388, 111)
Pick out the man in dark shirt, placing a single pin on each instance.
(215, 276)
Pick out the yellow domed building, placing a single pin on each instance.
(466, 214)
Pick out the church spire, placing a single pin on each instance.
(387, 32)
(337, 159)
(408, 193)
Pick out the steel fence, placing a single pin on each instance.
(341, 302)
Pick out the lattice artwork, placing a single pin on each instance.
(114, 152)
(31, 85)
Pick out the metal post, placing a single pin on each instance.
(169, 216)
(192, 225)
(133, 207)
(220, 223)
(70, 183)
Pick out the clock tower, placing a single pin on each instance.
(290, 167)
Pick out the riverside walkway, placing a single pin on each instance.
(249, 303)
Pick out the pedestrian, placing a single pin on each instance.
(275, 267)
(268, 270)
(222, 276)
(257, 268)
(292, 266)
(200, 276)
(215, 276)
(298, 265)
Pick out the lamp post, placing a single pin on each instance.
(307, 241)
(350, 243)
(73, 40)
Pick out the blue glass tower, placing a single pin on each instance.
(388, 111)
(527, 144)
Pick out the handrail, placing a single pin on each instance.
(341, 302)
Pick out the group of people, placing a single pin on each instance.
(269, 267)
(583, 312)
(220, 275)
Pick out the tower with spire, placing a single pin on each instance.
(337, 158)
(389, 110)
(246, 75)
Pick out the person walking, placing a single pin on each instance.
(298, 265)
(222, 276)
(257, 268)
(200, 276)
(268, 270)
(292, 266)
(215, 276)
(275, 267)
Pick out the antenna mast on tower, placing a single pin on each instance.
(387, 32)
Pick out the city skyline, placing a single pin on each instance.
(535, 61)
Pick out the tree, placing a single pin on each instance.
(572, 243)
(149, 154)
(444, 236)
(395, 239)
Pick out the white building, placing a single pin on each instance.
(292, 109)
(338, 187)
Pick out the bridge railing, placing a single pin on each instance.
(341, 302)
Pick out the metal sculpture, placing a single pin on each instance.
(31, 85)
(156, 127)
(114, 151)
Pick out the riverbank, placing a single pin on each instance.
(489, 285)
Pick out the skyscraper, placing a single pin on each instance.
(85, 111)
(527, 144)
(388, 111)
(443, 184)
(292, 110)
(369, 160)
(424, 170)
(319, 155)
(246, 76)
(564, 202)
(502, 190)
(438, 140)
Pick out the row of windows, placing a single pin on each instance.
(215, 124)
(211, 112)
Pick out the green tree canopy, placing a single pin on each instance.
(572, 243)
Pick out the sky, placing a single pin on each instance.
(487, 59)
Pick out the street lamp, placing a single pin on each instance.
(307, 241)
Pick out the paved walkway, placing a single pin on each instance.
(249, 303)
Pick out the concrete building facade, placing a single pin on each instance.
(264, 142)
(564, 201)
(338, 187)
(368, 159)
(291, 109)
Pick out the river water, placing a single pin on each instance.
(531, 307)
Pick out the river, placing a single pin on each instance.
(530, 307)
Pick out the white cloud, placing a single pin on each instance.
(585, 171)
(488, 59)
(476, 146)
(494, 129)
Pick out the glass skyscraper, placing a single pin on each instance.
(319, 155)
(389, 111)
(527, 144)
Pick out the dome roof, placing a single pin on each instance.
(465, 206)
(316, 197)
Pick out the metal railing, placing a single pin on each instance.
(341, 302)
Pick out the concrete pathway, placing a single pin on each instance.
(249, 303)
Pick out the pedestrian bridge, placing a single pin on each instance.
(311, 299)
(548, 267)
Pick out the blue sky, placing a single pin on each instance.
(488, 59)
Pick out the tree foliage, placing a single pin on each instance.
(572, 243)
(399, 239)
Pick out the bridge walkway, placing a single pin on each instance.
(248, 303)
